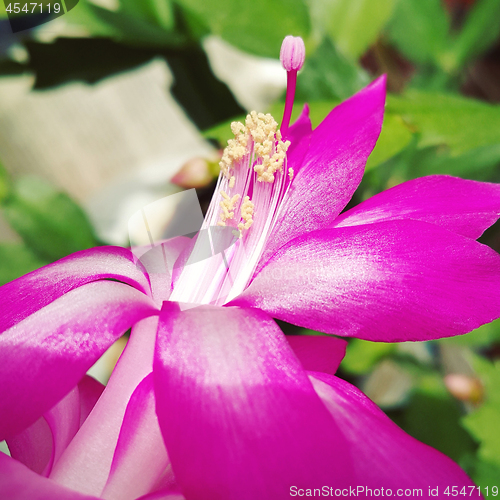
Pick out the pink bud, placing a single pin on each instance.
(293, 53)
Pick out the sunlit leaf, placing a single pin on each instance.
(159, 12)
(353, 24)
(361, 355)
(443, 119)
(258, 26)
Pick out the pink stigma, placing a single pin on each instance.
(292, 55)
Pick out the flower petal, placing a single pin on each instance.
(318, 353)
(20, 483)
(33, 446)
(237, 413)
(41, 445)
(90, 391)
(102, 428)
(64, 422)
(31, 292)
(140, 461)
(162, 495)
(299, 135)
(386, 456)
(333, 166)
(159, 262)
(462, 206)
(54, 347)
(391, 281)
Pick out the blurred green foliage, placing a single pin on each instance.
(483, 422)
(50, 224)
(429, 49)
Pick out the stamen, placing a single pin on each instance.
(227, 205)
(254, 181)
(246, 214)
(292, 55)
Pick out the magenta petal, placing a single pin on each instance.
(386, 456)
(462, 206)
(17, 482)
(40, 445)
(140, 462)
(163, 495)
(64, 422)
(299, 135)
(31, 292)
(101, 429)
(33, 446)
(238, 416)
(54, 347)
(391, 281)
(90, 391)
(318, 353)
(333, 166)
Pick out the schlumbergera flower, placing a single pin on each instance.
(209, 399)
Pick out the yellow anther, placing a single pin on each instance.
(261, 132)
(246, 214)
(290, 173)
(232, 181)
(227, 205)
(236, 148)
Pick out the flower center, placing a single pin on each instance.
(253, 182)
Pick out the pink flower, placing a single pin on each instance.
(214, 402)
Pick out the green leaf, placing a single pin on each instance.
(157, 12)
(481, 337)
(353, 24)
(16, 260)
(4, 184)
(433, 417)
(395, 136)
(441, 119)
(257, 26)
(419, 28)
(480, 31)
(50, 223)
(328, 75)
(478, 164)
(146, 23)
(483, 423)
(362, 355)
(485, 474)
